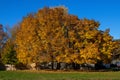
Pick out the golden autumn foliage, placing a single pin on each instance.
(54, 35)
(28, 41)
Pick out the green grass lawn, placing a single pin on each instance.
(38, 75)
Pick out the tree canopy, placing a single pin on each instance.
(52, 34)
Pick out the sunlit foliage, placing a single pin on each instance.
(53, 35)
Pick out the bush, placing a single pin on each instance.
(21, 66)
(2, 66)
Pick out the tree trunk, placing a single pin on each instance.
(58, 65)
(52, 62)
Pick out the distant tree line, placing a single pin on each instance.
(53, 37)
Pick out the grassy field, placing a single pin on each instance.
(48, 75)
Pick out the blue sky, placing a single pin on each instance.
(107, 12)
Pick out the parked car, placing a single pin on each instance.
(118, 64)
